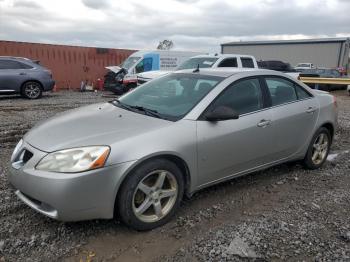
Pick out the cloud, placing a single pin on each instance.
(192, 25)
(26, 3)
(187, 1)
(96, 4)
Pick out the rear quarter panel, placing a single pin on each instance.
(328, 109)
(40, 75)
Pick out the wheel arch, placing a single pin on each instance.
(177, 160)
(31, 80)
(330, 128)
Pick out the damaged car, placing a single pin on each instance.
(113, 79)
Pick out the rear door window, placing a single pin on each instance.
(247, 62)
(301, 93)
(10, 64)
(284, 91)
(3, 64)
(228, 62)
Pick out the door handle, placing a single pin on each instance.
(264, 123)
(310, 110)
(22, 74)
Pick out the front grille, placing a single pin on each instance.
(27, 155)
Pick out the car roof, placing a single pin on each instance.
(222, 56)
(16, 57)
(223, 71)
(141, 53)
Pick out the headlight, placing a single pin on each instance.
(75, 159)
(15, 151)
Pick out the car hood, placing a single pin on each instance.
(115, 69)
(98, 124)
(153, 74)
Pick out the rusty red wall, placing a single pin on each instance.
(69, 64)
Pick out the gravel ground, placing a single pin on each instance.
(283, 213)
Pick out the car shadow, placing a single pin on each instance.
(19, 97)
(10, 97)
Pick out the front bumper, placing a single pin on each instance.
(48, 85)
(66, 196)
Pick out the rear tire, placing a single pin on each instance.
(31, 90)
(150, 195)
(318, 149)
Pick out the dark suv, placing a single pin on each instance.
(276, 65)
(23, 76)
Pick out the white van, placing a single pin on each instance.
(205, 61)
(121, 78)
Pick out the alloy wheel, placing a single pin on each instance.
(32, 90)
(155, 196)
(320, 148)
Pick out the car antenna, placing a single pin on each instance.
(196, 70)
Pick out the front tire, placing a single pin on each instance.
(32, 90)
(150, 195)
(318, 149)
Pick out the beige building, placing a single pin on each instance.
(327, 52)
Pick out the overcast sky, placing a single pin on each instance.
(200, 25)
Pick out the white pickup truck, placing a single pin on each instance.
(304, 66)
(205, 61)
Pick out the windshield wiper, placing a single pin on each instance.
(147, 111)
(122, 105)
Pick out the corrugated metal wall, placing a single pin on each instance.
(69, 64)
(320, 54)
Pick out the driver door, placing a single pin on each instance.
(229, 147)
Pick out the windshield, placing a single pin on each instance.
(170, 97)
(203, 62)
(128, 63)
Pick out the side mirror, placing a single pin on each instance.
(221, 113)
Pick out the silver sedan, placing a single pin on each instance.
(136, 157)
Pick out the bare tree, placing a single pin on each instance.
(165, 45)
